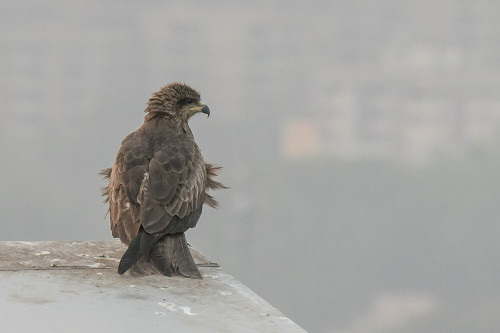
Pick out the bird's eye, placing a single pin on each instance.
(187, 101)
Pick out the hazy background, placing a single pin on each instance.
(360, 140)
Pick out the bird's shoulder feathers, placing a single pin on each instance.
(177, 174)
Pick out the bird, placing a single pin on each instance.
(158, 185)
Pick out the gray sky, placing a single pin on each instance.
(359, 139)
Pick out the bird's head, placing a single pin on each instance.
(177, 100)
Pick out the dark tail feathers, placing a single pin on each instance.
(132, 254)
(169, 254)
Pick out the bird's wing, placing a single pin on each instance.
(175, 184)
(125, 181)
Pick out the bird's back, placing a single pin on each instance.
(169, 166)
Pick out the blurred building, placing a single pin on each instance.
(376, 88)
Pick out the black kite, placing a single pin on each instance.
(158, 185)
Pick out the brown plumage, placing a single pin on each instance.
(158, 185)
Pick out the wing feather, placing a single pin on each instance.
(124, 185)
(157, 188)
(177, 175)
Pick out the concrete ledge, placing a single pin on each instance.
(56, 286)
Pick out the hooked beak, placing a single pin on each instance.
(205, 110)
(202, 108)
